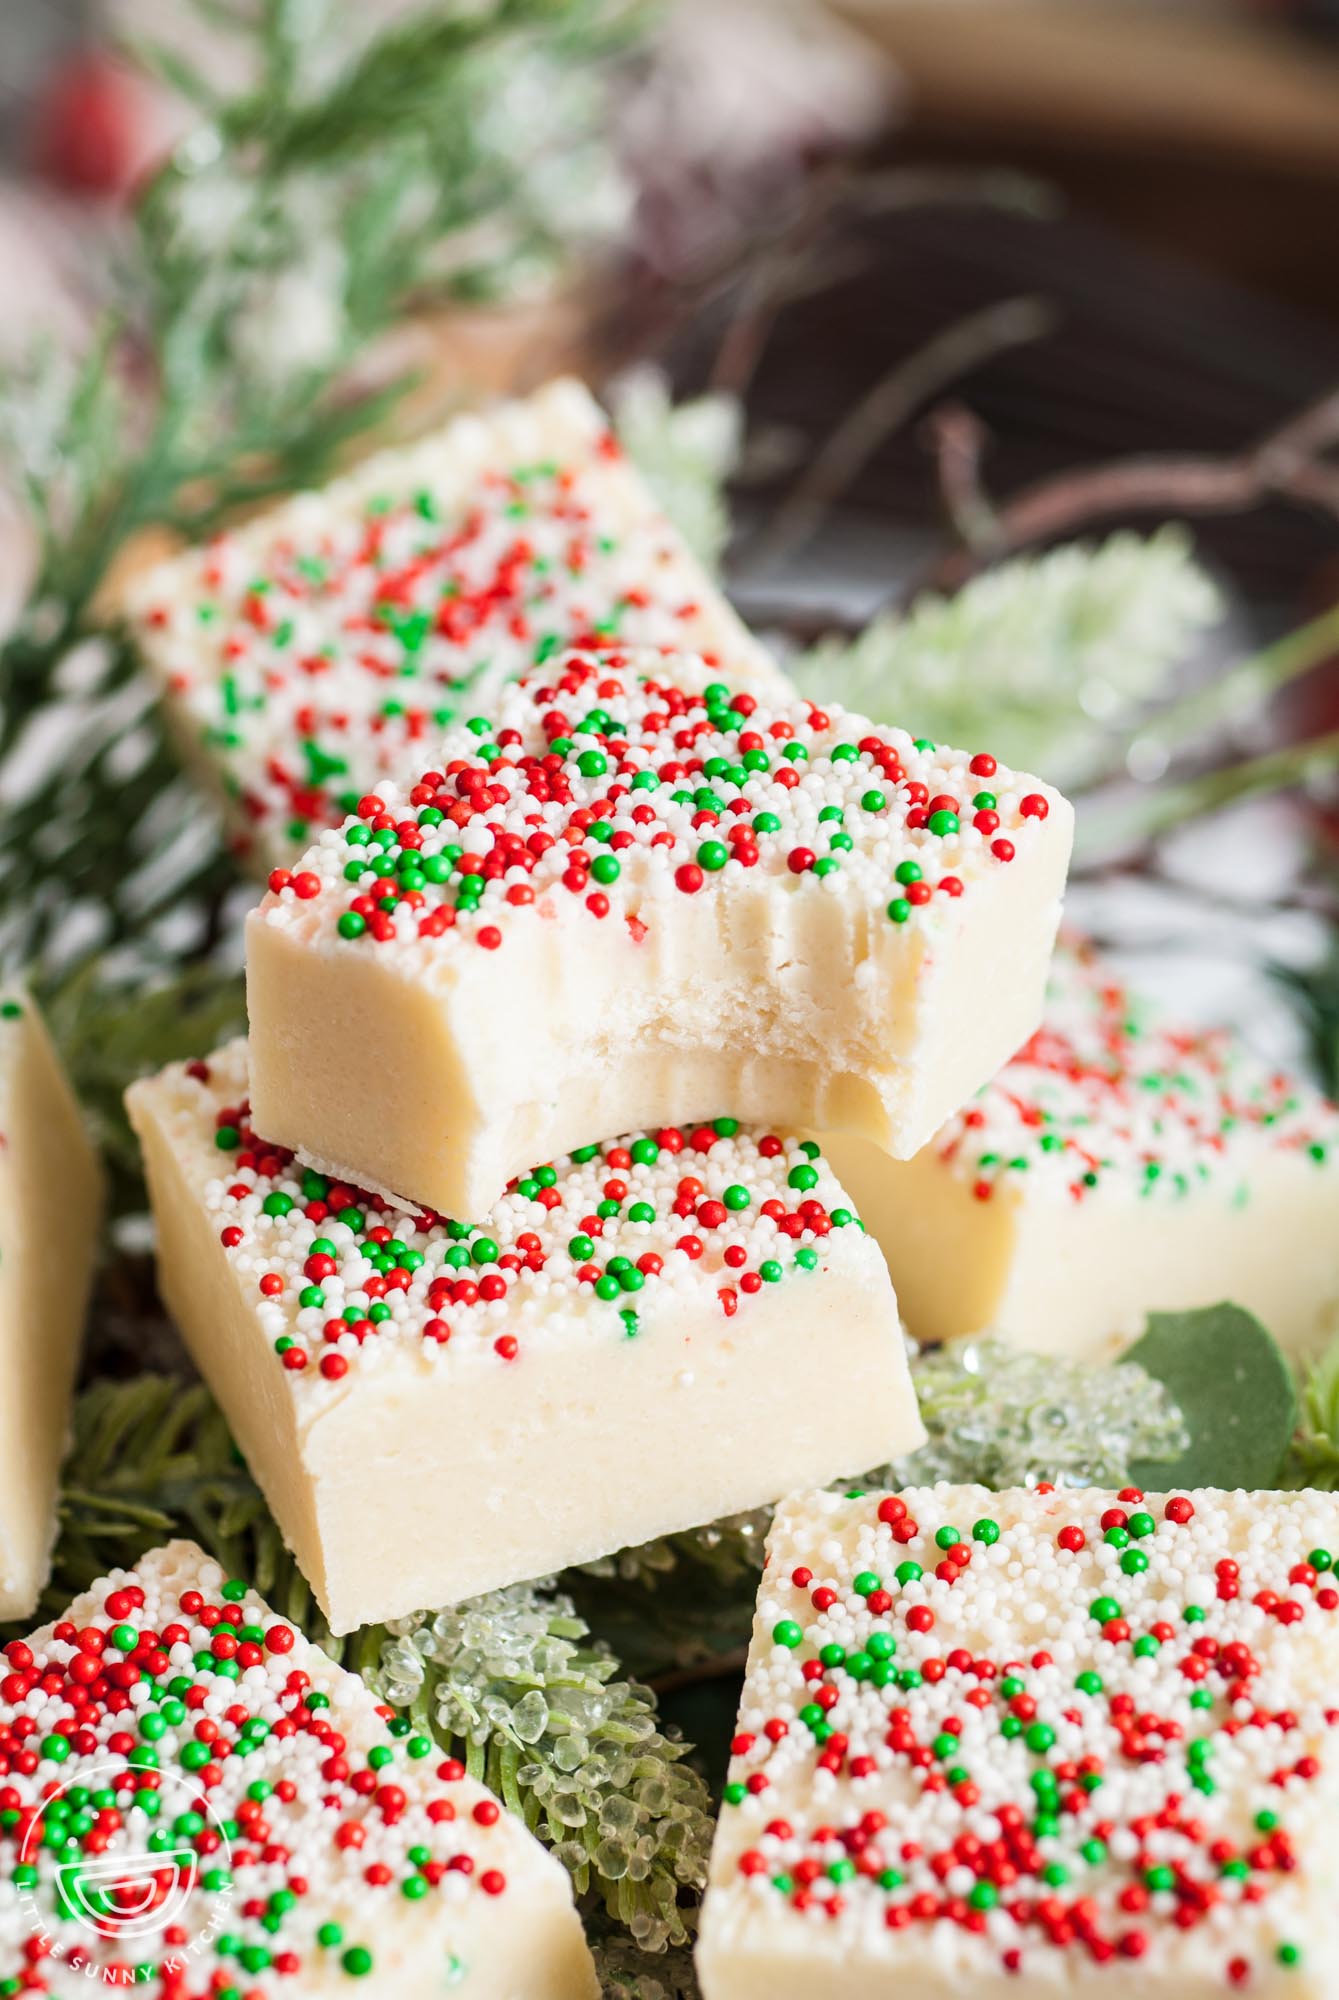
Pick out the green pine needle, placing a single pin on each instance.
(512, 1684)
(351, 175)
(1046, 658)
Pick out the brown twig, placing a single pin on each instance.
(1287, 463)
(796, 264)
(891, 403)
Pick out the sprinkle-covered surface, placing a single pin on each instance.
(195, 1801)
(1108, 1098)
(1014, 1733)
(592, 1246)
(622, 779)
(320, 648)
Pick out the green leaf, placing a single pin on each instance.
(1235, 1392)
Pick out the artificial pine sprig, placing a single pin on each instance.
(347, 176)
(512, 1683)
(1048, 658)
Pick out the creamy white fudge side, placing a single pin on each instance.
(656, 1331)
(205, 1804)
(1053, 1743)
(1118, 1165)
(50, 1202)
(631, 892)
(319, 648)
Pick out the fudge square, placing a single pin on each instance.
(629, 893)
(197, 1801)
(308, 654)
(1119, 1164)
(649, 1334)
(1035, 1742)
(50, 1205)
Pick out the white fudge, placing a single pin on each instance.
(1118, 1165)
(999, 1744)
(217, 1808)
(632, 894)
(313, 652)
(659, 1331)
(50, 1200)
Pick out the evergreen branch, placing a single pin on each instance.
(110, 1035)
(512, 1684)
(396, 82)
(1047, 658)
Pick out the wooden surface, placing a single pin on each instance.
(1204, 82)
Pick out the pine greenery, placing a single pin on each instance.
(1048, 658)
(457, 152)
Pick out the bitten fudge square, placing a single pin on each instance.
(197, 1802)
(628, 893)
(1120, 1163)
(305, 655)
(50, 1207)
(1035, 1742)
(640, 1337)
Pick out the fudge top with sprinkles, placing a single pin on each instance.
(591, 1246)
(1107, 1098)
(622, 781)
(273, 1820)
(305, 654)
(1015, 1730)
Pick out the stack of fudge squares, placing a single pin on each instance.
(504, 1243)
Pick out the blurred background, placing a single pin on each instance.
(962, 281)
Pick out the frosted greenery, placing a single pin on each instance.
(1046, 659)
(513, 1682)
(685, 451)
(1003, 1417)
